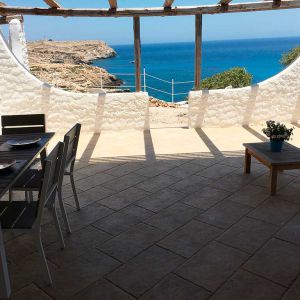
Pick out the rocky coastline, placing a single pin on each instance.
(67, 64)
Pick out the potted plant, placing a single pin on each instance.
(278, 133)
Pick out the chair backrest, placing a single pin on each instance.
(53, 164)
(22, 124)
(71, 140)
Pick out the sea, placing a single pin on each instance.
(167, 62)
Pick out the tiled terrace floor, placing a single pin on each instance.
(169, 214)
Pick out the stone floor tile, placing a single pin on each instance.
(290, 192)
(278, 261)
(18, 248)
(232, 182)
(224, 214)
(251, 195)
(189, 238)
(160, 200)
(122, 220)
(247, 286)
(175, 288)
(191, 184)
(293, 291)
(92, 181)
(275, 210)
(122, 183)
(77, 244)
(157, 183)
(69, 279)
(125, 168)
(104, 290)
(283, 180)
(97, 168)
(205, 197)
(216, 171)
(248, 234)
(185, 170)
(88, 215)
(27, 271)
(124, 198)
(212, 265)
(291, 231)
(145, 270)
(68, 192)
(130, 243)
(233, 161)
(77, 175)
(173, 217)
(90, 196)
(207, 161)
(30, 292)
(257, 169)
(155, 169)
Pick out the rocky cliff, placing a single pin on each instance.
(67, 64)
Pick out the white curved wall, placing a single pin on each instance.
(22, 93)
(277, 98)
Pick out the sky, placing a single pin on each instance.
(117, 31)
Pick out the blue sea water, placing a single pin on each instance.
(176, 61)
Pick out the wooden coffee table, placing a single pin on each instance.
(288, 159)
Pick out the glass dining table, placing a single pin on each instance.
(21, 158)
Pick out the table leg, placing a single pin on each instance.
(273, 180)
(247, 166)
(5, 289)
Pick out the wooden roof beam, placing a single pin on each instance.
(225, 2)
(168, 3)
(7, 19)
(152, 11)
(52, 3)
(113, 4)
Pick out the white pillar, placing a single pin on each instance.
(17, 42)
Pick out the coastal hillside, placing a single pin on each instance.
(66, 64)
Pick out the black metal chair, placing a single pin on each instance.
(31, 180)
(71, 139)
(27, 216)
(22, 124)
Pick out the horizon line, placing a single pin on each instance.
(218, 40)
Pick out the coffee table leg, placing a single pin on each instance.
(247, 166)
(273, 180)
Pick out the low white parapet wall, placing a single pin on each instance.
(277, 98)
(23, 93)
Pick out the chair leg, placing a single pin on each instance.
(43, 256)
(63, 211)
(74, 191)
(56, 221)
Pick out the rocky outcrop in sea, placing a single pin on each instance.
(67, 64)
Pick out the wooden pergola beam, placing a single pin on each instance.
(198, 51)
(168, 3)
(7, 19)
(113, 4)
(137, 52)
(225, 2)
(153, 11)
(52, 3)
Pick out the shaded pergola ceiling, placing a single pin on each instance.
(167, 8)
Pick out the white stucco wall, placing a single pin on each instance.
(22, 93)
(277, 98)
(17, 42)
